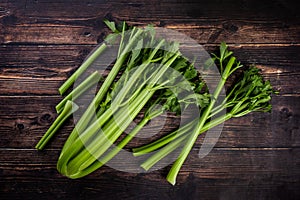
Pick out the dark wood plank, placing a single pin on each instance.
(125, 188)
(204, 8)
(38, 69)
(42, 69)
(263, 173)
(81, 22)
(219, 163)
(233, 31)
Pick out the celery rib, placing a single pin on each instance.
(69, 108)
(80, 89)
(65, 86)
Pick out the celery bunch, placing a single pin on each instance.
(153, 72)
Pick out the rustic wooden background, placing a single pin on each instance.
(41, 43)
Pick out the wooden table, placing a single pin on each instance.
(41, 43)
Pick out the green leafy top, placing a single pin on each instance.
(158, 51)
(250, 93)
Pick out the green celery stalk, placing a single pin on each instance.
(101, 143)
(89, 113)
(248, 95)
(128, 138)
(164, 151)
(92, 129)
(114, 131)
(81, 88)
(88, 133)
(69, 108)
(83, 171)
(163, 141)
(176, 141)
(171, 177)
(81, 69)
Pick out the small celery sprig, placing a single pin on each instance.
(226, 71)
(249, 94)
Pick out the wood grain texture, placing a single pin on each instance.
(22, 66)
(260, 172)
(43, 42)
(207, 21)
